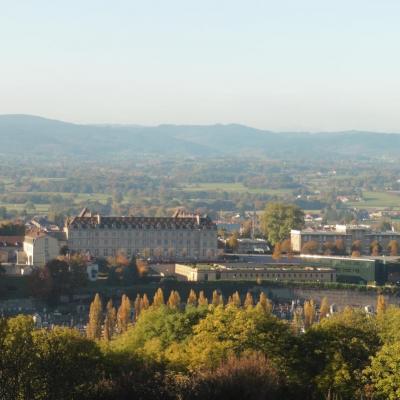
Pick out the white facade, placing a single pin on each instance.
(40, 248)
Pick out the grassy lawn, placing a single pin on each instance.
(377, 200)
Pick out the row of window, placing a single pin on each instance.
(79, 233)
(148, 252)
(275, 275)
(138, 243)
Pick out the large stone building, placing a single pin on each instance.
(181, 237)
(348, 234)
(253, 272)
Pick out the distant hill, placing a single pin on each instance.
(36, 136)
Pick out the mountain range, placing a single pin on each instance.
(39, 136)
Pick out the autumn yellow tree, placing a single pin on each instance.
(236, 299)
(144, 302)
(110, 321)
(124, 313)
(216, 299)
(309, 314)
(174, 300)
(393, 247)
(287, 248)
(93, 329)
(192, 298)
(276, 255)
(265, 303)
(158, 299)
(380, 305)
(248, 301)
(203, 301)
(310, 247)
(375, 248)
(298, 320)
(324, 308)
(137, 306)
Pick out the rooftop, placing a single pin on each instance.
(256, 267)
(87, 220)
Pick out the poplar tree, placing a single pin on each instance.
(236, 299)
(265, 303)
(324, 308)
(216, 299)
(297, 321)
(137, 306)
(144, 302)
(380, 305)
(174, 300)
(110, 321)
(203, 301)
(158, 299)
(124, 313)
(192, 298)
(309, 314)
(248, 302)
(93, 329)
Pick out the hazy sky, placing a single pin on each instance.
(279, 65)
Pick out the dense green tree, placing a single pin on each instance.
(66, 364)
(383, 375)
(278, 219)
(338, 350)
(17, 360)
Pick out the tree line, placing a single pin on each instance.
(205, 348)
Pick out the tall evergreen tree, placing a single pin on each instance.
(93, 329)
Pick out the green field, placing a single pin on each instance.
(233, 187)
(75, 198)
(377, 200)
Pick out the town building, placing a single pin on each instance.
(40, 247)
(348, 234)
(253, 272)
(9, 247)
(180, 237)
